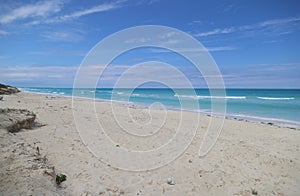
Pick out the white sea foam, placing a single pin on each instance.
(33, 89)
(210, 97)
(276, 98)
(265, 119)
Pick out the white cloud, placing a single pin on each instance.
(195, 50)
(221, 48)
(229, 8)
(54, 74)
(63, 35)
(279, 21)
(275, 67)
(215, 32)
(39, 9)
(58, 52)
(147, 2)
(20, 75)
(284, 75)
(92, 10)
(169, 34)
(4, 57)
(137, 40)
(270, 27)
(47, 9)
(38, 75)
(2, 32)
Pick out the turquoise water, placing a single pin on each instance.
(268, 105)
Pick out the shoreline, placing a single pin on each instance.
(239, 117)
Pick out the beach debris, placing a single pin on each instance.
(171, 181)
(139, 192)
(7, 90)
(115, 191)
(16, 119)
(48, 173)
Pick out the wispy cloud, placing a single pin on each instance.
(195, 50)
(229, 8)
(39, 9)
(279, 21)
(4, 57)
(2, 32)
(174, 39)
(275, 67)
(215, 32)
(284, 75)
(137, 40)
(257, 75)
(41, 75)
(221, 48)
(51, 12)
(63, 36)
(57, 75)
(96, 9)
(147, 2)
(58, 53)
(274, 27)
(53, 71)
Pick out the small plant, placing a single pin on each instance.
(60, 178)
(253, 191)
(38, 150)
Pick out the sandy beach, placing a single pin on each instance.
(248, 157)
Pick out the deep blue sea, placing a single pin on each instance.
(267, 105)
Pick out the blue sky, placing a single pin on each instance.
(255, 43)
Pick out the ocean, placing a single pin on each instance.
(264, 105)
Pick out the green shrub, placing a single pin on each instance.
(60, 178)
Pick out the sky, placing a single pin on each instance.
(255, 43)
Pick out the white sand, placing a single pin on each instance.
(247, 155)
